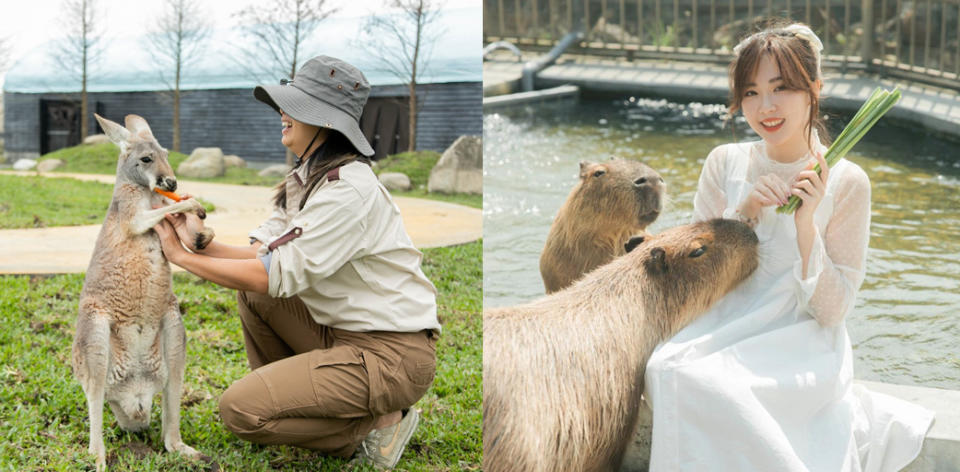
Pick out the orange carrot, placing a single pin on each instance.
(169, 195)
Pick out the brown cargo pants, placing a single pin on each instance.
(318, 387)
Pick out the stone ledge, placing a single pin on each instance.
(551, 95)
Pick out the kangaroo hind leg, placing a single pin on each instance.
(91, 360)
(174, 351)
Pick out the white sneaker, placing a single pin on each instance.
(384, 446)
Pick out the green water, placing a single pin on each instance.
(905, 327)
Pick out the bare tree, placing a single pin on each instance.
(80, 48)
(175, 45)
(402, 42)
(276, 32)
(4, 53)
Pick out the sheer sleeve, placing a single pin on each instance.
(711, 199)
(837, 263)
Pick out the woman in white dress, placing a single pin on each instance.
(763, 381)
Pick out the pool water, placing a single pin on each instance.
(905, 327)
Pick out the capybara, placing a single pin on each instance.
(563, 375)
(613, 201)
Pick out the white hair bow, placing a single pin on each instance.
(801, 31)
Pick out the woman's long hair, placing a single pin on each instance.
(335, 151)
(797, 62)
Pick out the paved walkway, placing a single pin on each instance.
(933, 107)
(430, 223)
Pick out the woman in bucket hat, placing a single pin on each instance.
(339, 321)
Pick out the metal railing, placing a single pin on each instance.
(917, 40)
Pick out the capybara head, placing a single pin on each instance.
(623, 189)
(689, 268)
(142, 160)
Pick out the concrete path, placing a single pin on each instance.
(239, 209)
(934, 108)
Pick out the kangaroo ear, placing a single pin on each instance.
(633, 242)
(138, 126)
(657, 263)
(118, 134)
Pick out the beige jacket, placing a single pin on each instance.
(347, 255)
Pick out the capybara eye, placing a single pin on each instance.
(146, 160)
(599, 173)
(698, 251)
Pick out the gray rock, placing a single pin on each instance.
(395, 181)
(276, 170)
(48, 165)
(203, 163)
(96, 139)
(24, 164)
(231, 160)
(460, 169)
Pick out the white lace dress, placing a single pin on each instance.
(763, 381)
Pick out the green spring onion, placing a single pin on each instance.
(880, 102)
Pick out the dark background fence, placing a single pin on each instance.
(917, 40)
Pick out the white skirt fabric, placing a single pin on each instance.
(758, 384)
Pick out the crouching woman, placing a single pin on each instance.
(339, 321)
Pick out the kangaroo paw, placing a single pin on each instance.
(203, 238)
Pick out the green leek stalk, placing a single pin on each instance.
(879, 103)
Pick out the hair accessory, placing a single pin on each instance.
(805, 33)
(799, 30)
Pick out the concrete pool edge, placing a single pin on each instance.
(934, 108)
(941, 447)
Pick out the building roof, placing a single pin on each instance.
(126, 65)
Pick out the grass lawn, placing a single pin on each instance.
(39, 202)
(43, 413)
(417, 165)
(102, 159)
(36, 202)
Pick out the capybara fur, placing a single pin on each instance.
(563, 375)
(613, 201)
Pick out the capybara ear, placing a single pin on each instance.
(633, 243)
(657, 263)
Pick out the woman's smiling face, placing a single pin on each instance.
(296, 135)
(779, 115)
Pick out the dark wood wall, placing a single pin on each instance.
(234, 121)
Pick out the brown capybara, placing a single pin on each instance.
(563, 375)
(613, 201)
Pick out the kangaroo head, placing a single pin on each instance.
(142, 161)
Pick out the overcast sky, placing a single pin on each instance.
(27, 23)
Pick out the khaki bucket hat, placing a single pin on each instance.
(325, 92)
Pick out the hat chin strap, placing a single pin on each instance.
(300, 157)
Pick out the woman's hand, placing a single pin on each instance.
(770, 190)
(810, 187)
(172, 249)
(186, 226)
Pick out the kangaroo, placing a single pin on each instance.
(130, 340)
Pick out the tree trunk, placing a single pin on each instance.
(176, 109)
(412, 131)
(176, 119)
(84, 124)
